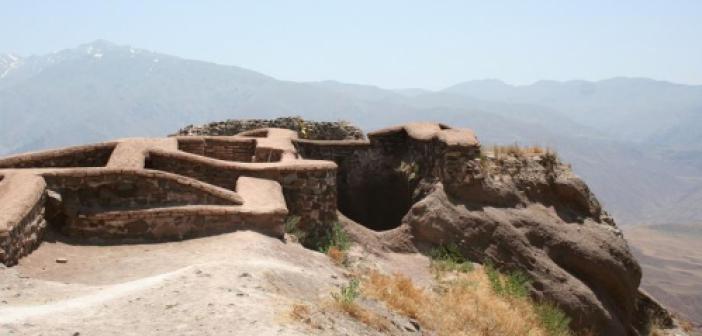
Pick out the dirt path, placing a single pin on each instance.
(241, 283)
(235, 284)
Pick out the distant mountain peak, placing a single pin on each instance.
(101, 44)
(9, 62)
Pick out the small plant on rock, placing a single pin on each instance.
(447, 258)
(348, 294)
(346, 301)
(291, 228)
(514, 285)
(334, 244)
(408, 169)
(554, 320)
(337, 256)
(549, 160)
(334, 237)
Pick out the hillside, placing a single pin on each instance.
(632, 139)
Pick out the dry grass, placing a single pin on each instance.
(366, 316)
(517, 150)
(658, 330)
(345, 301)
(303, 313)
(465, 306)
(300, 312)
(337, 256)
(685, 325)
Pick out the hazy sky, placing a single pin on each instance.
(430, 44)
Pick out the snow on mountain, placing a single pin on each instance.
(8, 63)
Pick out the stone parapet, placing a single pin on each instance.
(22, 224)
(306, 129)
(96, 155)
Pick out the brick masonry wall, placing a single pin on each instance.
(195, 168)
(268, 154)
(309, 189)
(241, 150)
(96, 191)
(306, 129)
(174, 223)
(83, 156)
(24, 236)
(311, 195)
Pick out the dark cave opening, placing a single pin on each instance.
(376, 200)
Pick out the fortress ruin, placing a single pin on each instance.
(248, 177)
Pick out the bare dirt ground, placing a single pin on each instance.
(672, 267)
(241, 283)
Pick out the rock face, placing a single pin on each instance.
(585, 266)
(423, 185)
(530, 213)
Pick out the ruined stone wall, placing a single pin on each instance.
(116, 203)
(388, 171)
(306, 129)
(174, 223)
(364, 169)
(199, 168)
(22, 226)
(309, 187)
(103, 190)
(83, 156)
(311, 195)
(229, 149)
(25, 236)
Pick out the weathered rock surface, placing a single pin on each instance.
(241, 283)
(519, 211)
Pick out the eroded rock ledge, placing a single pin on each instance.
(405, 188)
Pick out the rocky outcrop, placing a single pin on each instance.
(520, 211)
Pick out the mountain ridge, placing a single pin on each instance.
(101, 90)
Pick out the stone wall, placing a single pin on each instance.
(306, 129)
(22, 222)
(229, 149)
(83, 156)
(25, 236)
(174, 223)
(151, 205)
(309, 186)
(388, 169)
(85, 190)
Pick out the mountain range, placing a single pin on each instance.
(636, 141)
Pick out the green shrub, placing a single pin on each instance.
(291, 228)
(515, 285)
(335, 236)
(494, 278)
(348, 293)
(554, 320)
(448, 258)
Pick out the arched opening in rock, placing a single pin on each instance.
(377, 200)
